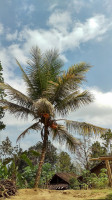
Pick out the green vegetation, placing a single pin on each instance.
(91, 180)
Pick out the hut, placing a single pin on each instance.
(97, 168)
(61, 181)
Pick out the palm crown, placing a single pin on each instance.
(50, 91)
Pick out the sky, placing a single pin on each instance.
(80, 29)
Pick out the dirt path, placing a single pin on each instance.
(40, 194)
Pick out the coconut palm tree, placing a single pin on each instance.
(50, 91)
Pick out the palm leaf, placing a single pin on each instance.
(26, 78)
(27, 160)
(64, 137)
(80, 69)
(84, 128)
(16, 95)
(73, 102)
(35, 126)
(66, 83)
(18, 111)
(42, 69)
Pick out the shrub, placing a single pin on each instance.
(74, 183)
(94, 181)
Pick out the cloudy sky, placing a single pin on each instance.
(80, 29)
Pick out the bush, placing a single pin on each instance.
(94, 181)
(74, 184)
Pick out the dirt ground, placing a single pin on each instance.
(44, 194)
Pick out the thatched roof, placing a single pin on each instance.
(98, 165)
(65, 176)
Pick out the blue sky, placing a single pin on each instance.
(80, 29)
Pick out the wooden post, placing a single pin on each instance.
(109, 172)
(106, 159)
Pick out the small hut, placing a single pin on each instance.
(61, 181)
(97, 168)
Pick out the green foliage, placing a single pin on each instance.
(29, 176)
(94, 181)
(96, 151)
(64, 162)
(27, 160)
(107, 137)
(3, 171)
(47, 174)
(29, 173)
(50, 157)
(74, 184)
(42, 69)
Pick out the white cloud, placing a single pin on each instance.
(13, 36)
(58, 35)
(1, 29)
(98, 113)
(60, 21)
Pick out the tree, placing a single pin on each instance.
(51, 153)
(107, 141)
(83, 152)
(2, 125)
(97, 150)
(6, 148)
(64, 162)
(50, 91)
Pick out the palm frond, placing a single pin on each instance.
(35, 126)
(42, 69)
(80, 69)
(66, 83)
(26, 78)
(73, 102)
(84, 128)
(64, 137)
(43, 106)
(35, 73)
(17, 110)
(52, 65)
(16, 95)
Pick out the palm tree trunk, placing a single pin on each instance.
(39, 170)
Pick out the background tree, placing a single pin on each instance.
(83, 152)
(2, 125)
(64, 162)
(107, 137)
(6, 148)
(97, 150)
(50, 157)
(50, 91)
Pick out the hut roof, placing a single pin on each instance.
(66, 176)
(101, 164)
